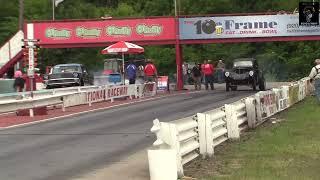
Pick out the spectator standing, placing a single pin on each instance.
(131, 72)
(140, 71)
(315, 76)
(220, 71)
(150, 72)
(185, 73)
(18, 84)
(207, 69)
(196, 75)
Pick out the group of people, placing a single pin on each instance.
(205, 71)
(148, 72)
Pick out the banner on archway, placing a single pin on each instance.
(104, 31)
(244, 26)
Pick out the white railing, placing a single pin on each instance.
(15, 105)
(73, 96)
(212, 130)
(200, 134)
(181, 135)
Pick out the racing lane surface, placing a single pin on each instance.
(67, 148)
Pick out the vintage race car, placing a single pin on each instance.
(64, 75)
(245, 71)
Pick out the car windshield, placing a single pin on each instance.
(243, 64)
(65, 69)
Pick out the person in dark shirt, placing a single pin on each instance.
(131, 72)
(196, 75)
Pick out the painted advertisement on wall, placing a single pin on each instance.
(268, 104)
(105, 31)
(244, 26)
(293, 94)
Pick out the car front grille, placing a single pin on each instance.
(241, 71)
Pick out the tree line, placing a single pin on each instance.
(280, 60)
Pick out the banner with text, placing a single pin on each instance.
(268, 103)
(153, 29)
(244, 26)
(163, 83)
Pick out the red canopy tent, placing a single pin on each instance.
(122, 48)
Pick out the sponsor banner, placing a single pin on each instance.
(162, 83)
(282, 102)
(105, 31)
(268, 104)
(293, 94)
(96, 95)
(117, 91)
(302, 90)
(244, 26)
(149, 89)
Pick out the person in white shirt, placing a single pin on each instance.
(315, 76)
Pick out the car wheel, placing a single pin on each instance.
(262, 85)
(48, 87)
(81, 83)
(227, 87)
(254, 85)
(234, 88)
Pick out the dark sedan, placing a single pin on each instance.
(64, 75)
(245, 71)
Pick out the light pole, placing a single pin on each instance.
(55, 4)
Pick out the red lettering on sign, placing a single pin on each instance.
(118, 91)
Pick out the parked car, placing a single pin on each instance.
(64, 75)
(245, 71)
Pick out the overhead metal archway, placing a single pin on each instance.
(232, 28)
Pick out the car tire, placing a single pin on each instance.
(81, 83)
(254, 85)
(227, 87)
(234, 88)
(48, 87)
(262, 85)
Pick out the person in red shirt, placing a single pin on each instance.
(208, 70)
(150, 72)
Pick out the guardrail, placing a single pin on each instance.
(15, 105)
(200, 134)
(212, 130)
(182, 136)
(73, 96)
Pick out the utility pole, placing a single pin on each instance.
(53, 6)
(21, 12)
